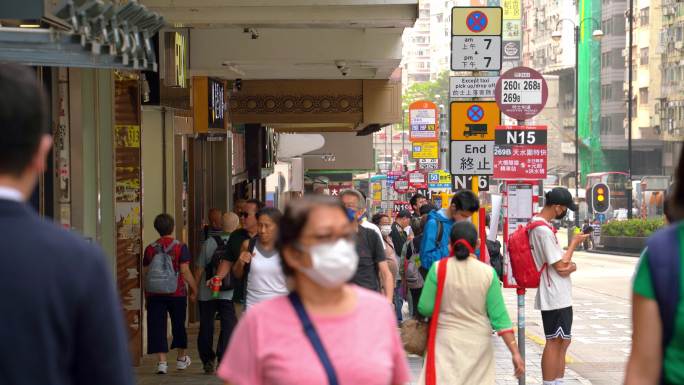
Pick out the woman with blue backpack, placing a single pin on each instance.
(167, 263)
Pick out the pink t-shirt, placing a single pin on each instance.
(269, 346)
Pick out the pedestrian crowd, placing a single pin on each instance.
(319, 293)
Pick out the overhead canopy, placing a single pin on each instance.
(292, 39)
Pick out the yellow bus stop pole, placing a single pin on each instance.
(476, 190)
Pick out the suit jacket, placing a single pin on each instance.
(61, 321)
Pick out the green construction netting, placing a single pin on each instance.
(590, 155)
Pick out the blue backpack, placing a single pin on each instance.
(664, 262)
(161, 277)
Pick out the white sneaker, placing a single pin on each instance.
(184, 363)
(162, 368)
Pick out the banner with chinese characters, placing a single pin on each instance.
(520, 152)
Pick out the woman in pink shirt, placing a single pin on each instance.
(349, 342)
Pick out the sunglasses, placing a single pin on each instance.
(244, 215)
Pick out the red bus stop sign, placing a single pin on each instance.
(521, 93)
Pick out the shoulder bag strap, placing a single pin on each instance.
(312, 335)
(440, 232)
(664, 263)
(430, 369)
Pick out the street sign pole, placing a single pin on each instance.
(521, 313)
(521, 328)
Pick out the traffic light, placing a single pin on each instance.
(600, 198)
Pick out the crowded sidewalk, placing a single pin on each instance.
(195, 376)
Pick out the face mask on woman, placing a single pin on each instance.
(333, 264)
(386, 229)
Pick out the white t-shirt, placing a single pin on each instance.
(555, 292)
(266, 279)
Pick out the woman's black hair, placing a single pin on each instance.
(378, 217)
(270, 212)
(675, 204)
(295, 218)
(466, 231)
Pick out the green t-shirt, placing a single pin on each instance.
(496, 308)
(674, 353)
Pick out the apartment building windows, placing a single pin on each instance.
(643, 95)
(606, 59)
(606, 92)
(643, 16)
(643, 56)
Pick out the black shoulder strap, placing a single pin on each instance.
(664, 264)
(312, 335)
(252, 244)
(440, 231)
(219, 240)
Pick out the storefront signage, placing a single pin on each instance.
(472, 86)
(520, 152)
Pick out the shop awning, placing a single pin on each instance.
(85, 33)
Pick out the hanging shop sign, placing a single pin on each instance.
(439, 179)
(466, 87)
(511, 50)
(208, 104)
(425, 150)
(511, 9)
(423, 121)
(520, 152)
(521, 93)
(512, 30)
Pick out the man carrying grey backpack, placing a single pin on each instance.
(167, 261)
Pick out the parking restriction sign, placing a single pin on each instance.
(474, 120)
(476, 20)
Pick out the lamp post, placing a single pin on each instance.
(556, 36)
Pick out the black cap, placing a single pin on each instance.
(560, 196)
(404, 214)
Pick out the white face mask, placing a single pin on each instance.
(386, 229)
(333, 264)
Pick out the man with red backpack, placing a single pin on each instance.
(554, 296)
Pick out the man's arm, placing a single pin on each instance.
(387, 280)
(565, 266)
(187, 276)
(244, 258)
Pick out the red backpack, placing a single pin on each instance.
(522, 261)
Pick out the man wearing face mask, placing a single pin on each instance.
(398, 229)
(373, 266)
(554, 296)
